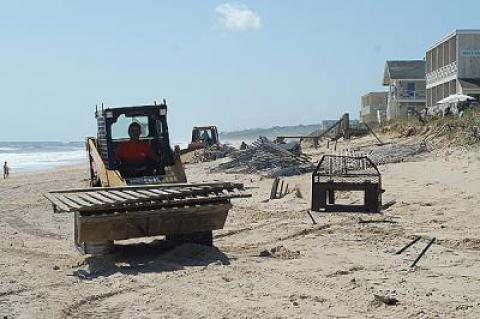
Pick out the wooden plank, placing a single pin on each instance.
(68, 202)
(172, 191)
(135, 194)
(122, 194)
(89, 198)
(101, 197)
(196, 188)
(57, 203)
(158, 186)
(112, 196)
(159, 192)
(148, 193)
(77, 199)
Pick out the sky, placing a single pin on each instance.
(237, 65)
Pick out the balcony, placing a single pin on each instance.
(409, 95)
(441, 75)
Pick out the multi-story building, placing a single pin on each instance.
(374, 107)
(406, 83)
(453, 66)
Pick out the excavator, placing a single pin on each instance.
(156, 200)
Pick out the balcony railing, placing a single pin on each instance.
(442, 73)
(410, 95)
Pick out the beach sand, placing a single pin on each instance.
(333, 269)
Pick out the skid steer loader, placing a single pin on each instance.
(120, 205)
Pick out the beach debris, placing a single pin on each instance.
(391, 153)
(417, 238)
(423, 252)
(373, 221)
(343, 272)
(210, 153)
(298, 192)
(311, 217)
(389, 204)
(280, 252)
(279, 188)
(341, 128)
(373, 133)
(387, 299)
(269, 159)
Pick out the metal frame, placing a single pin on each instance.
(346, 173)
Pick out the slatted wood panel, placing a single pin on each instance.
(105, 200)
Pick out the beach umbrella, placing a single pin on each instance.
(455, 98)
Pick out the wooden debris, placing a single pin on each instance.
(310, 214)
(267, 158)
(388, 204)
(279, 189)
(391, 153)
(373, 221)
(386, 299)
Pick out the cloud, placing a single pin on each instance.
(236, 17)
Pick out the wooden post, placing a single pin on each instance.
(273, 192)
(281, 190)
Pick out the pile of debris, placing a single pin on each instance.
(391, 153)
(211, 153)
(270, 159)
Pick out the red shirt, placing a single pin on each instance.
(133, 152)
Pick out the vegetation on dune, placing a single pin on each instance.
(440, 131)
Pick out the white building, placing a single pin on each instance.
(453, 66)
(406, 87)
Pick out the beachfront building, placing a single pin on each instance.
(374, 108)
(406, 87)
(453, 66)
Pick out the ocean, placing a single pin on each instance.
(34, 156)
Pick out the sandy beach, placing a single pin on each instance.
(333, 269)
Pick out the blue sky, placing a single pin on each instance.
(234, 64)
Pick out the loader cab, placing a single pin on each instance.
(206, 135)
(113, 126)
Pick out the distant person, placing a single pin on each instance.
(6, 170)
(135, 157)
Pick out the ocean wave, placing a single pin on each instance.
(8, 149)
(42, 160)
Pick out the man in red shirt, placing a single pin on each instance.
(134, 156)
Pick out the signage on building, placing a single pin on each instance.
(471, 52)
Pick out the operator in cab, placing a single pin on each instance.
(135, 157)
(206, 137)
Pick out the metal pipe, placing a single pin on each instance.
(423, 252)
(417, 238)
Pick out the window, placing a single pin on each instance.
(411, 89)
(120, 127)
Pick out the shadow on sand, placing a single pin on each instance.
(157, 256)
